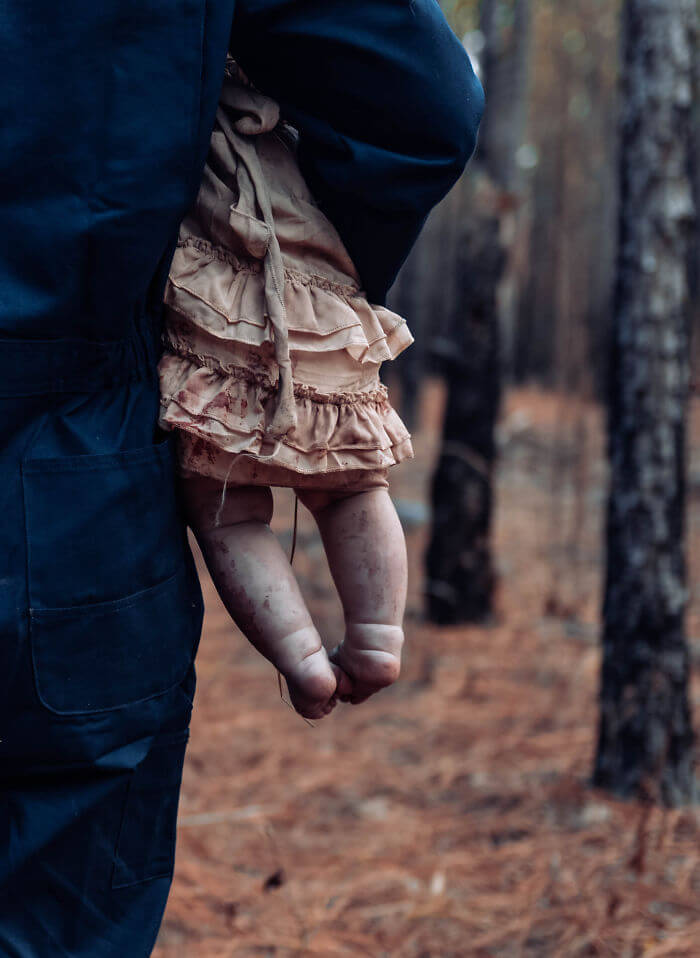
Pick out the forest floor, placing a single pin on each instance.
(451, 815)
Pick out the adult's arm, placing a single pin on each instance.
(387, 105)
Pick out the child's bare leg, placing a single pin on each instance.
(366, 552)
(256, 584)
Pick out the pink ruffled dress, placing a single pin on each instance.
(270, 373)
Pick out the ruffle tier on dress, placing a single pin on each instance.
(271, 367)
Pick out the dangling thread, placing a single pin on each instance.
(294, 536)
(291, 560)
(219, 511)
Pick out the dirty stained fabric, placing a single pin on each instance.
(272, 350)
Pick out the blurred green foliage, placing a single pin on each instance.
(462, 14)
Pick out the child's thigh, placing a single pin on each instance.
(211, 504)
(343, 486)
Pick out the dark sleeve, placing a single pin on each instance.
(387, 105)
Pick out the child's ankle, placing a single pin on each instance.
(371, 656)
(374, 637)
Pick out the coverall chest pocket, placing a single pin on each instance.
(114, 613)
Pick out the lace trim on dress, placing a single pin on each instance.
(221, 254)
(378, 396)
(343, 290)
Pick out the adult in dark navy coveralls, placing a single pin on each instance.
(106, 108)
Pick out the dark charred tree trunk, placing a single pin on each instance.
(646, 740)
(694, 246)
(459, 567)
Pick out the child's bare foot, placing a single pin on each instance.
(314, 684)
(370, 657)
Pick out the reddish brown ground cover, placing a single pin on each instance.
(450, 816)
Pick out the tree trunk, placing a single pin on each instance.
(694, 246)
(645, 737)
(459, 569)
(459, 565)
(506, 29)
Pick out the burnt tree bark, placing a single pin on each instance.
(645, 736)
(459, 586)
(694, 246)
(459, 568)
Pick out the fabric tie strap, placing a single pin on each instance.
(239, 134)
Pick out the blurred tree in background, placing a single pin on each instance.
(645, 746)
(460, 579)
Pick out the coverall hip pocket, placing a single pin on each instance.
(114, 607)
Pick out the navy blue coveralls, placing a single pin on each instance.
(106, 108)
